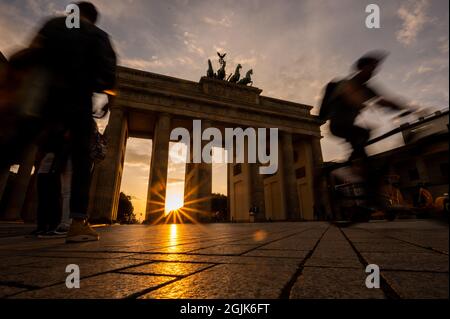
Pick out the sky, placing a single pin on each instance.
(293, 46)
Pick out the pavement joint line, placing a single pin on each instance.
(146, 291)
(138, 294)
(228, 243)
(82, 277)
(286, 291)
(415, 271)
(274, 241)
(146, 274)
(80, 257)
(332, 267)
(394, 252)
(15, 284)
(410, 243)
(387, 289)
(250, 237)
(184, 261)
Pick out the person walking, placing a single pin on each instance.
(82, 61)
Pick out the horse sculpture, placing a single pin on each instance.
(235, 77)
(247, 79)
(221, 72)
(232, 78)
(210, 73)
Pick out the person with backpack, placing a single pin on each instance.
(345, 99)
(81, 61)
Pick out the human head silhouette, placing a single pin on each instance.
(88, 11)
(368, 63)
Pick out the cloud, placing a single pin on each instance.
(224, 22)
(294, 47)
(443, 45)
(147, 64)
(414, 16)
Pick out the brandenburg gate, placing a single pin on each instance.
(149, 105)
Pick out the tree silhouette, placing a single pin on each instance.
(125, 212)
(219, 204)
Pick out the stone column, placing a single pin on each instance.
(109, 171)
(288, 176)
(257, 191)
(229, 201)
(156, 196)
(257, 186)
(191, 181)
(16, 201)
(205, 180)
(198, 184)
(322, 206)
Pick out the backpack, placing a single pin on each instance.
(327, 106)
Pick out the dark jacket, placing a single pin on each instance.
(82, 60)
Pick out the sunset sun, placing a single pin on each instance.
(174, 201)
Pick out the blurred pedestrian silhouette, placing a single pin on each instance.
(345, 99)
(73, 63)
(343, 102)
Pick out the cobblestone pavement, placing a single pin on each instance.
(271, 260)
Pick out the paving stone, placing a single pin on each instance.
(418, 285)
(408, 261)
(297, 254)
(56, 271)
(439, 243)
(90, 255)
(250, 260)
(294, 243)
(168, 268)
(14, 270)
(334, 250)
(229, 281)
(6, 291)
(312, 233)
(333, 261)
(11, 261)
(331, 283)
(180, 248)
(225, 250)
(388, 247)
(217, 259)
(105, 286)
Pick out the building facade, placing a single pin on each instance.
(148, 105)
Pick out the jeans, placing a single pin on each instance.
(66, 181)
(80, 126)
